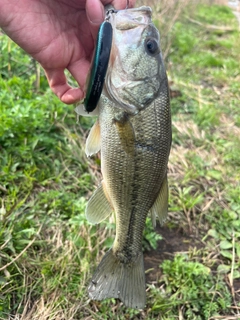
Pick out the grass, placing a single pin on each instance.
(48, 251)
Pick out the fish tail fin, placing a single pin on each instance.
(115, 279)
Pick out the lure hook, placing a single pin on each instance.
(108, 12)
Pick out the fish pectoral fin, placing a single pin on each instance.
(93, 143)
(160, 206)
(126, 135)
(98, 207)
(115, 279)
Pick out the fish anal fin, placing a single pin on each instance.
(160, 206)
(93, 143)
(115, 279)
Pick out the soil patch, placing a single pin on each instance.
(236, 285)
(174, 240)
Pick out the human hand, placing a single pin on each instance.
(59, 34)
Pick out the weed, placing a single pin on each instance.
(189, 286)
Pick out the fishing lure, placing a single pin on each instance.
(99, 66)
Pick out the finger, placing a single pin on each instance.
(122, 4)
(95, 8)
(58, 84)
(119, 4)
(95, 12)
(79, 70)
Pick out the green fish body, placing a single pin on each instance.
(133, 131)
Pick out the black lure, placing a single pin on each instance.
(99, 66)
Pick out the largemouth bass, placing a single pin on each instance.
(133, 131)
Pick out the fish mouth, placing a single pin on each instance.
(132, 18)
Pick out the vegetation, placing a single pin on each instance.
(48, 251)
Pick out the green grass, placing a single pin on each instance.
(48, 251)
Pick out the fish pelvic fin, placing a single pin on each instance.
(98, 207)
(160, 206)
(93, 143)
(115, 279)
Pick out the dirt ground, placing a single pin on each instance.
(174, 241)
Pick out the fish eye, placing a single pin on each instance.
(152, 47)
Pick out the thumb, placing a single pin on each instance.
(95, 12)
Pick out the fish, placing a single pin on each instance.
(133, 133)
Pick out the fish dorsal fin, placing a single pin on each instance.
(93, 143)
(160, 206)
(98, 207)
